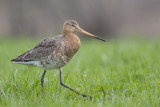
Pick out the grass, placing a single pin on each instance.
(117, 73)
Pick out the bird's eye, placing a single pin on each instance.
(72, 25)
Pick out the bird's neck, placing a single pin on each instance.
(71, 36)
(72, 39)
(67, 32)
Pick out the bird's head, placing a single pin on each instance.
(72, 26)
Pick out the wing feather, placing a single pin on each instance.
(39, 52)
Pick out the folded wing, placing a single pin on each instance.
(39, 52)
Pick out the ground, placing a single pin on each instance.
(116, 73)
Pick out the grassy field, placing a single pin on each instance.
(122, 73)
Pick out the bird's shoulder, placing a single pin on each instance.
(48, 42)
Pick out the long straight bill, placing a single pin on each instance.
(89, 34)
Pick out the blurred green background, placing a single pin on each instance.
(124, 71)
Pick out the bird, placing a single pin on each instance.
(55, 52)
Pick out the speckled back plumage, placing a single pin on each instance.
(40, 51)
(51, 53)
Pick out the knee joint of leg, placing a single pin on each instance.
(61, 83)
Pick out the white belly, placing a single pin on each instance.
(31, 63)
(50, 65)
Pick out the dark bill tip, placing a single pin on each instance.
(100, 39)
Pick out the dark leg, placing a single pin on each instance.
(69, 87)
(42, 79)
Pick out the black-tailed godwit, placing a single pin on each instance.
(55, 52)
